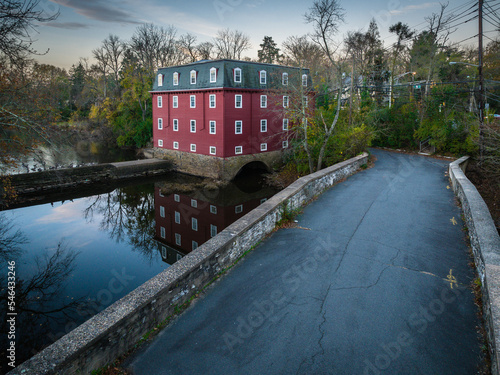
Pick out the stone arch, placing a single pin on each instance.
(253, 165)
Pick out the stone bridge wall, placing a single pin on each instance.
(117, 329)
(486, 248)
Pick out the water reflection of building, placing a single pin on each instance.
(185, 221)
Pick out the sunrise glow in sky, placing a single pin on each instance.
(83, 24)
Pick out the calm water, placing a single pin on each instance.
(74, 258)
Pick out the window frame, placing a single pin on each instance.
(160, 123)
(177, 217)
(163, 232)
(175, 79)
(284, 144)
(194, 224)
(213, 230)
(263, 77)
(192, 77)
(160, 79)
(210, 101)
(175, 145)
(237, 74)
(192, 147)
(159, 101)
(263, 147)
(192, 101)
(238, 150)
(160, 142)
(214, 123)
(192, 126)
(284, 79)
(263, 101)
(213, 150)
(236, 96)
(304, 80)
(213, 75)
(175, 124)
(178, 239)
(263, 125)
(285, 101)
(238, 123)
(175, 101)
(285, 124)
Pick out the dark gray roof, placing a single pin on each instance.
(225, 75)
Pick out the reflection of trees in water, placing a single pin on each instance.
(39, 300)
(127, 214)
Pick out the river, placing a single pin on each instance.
(74, 258)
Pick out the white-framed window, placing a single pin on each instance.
(238, 127)
(263, 126)
(238, 101)
(164, 252)
(163, 232)
(284, 79)
(213, 230)
(213, 75)
(194, 245)
(160, 79)
(162, 211)
(177, 217)
(192, 126)
(237, 75)
(285, 124)
(263, 101)
(213, 127)
(160, 101)
(192, 101)
(284, 144)
(175, 78)
(263, 77)
(211, 100)
(306, 101)
(193, 147)
(175, 124)
(175, 101)
(161, 194)
(213, 209)
(238, 150)
(175, 145)
(160, 123)
(238, 209)
(263, 147)
(194, 223)
(194, 203)
(160, 142)
(178, 239)
(304, 79)
(177, 198)
(192, 77)
(213, 150)
(285, 101)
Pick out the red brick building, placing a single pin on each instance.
(222, 108)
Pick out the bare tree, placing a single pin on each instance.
(300, 51)
(115, 49)
(187, 46)
(155, 46)
(18, 19)
(326, 16)
(231, 44)
(204, 50)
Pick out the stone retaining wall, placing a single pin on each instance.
(114, 331)
(486, 248)
(74, 178)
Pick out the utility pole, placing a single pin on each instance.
(481, 85)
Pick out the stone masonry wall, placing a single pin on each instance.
(485, 244)
(118, 328)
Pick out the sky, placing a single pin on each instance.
(82, 25)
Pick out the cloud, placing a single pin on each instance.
(65, 213)
(410, 8)
(99, 10)
(67, 25)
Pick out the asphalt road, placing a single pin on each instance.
(374, 280)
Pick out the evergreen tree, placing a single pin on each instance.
(269, 52)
